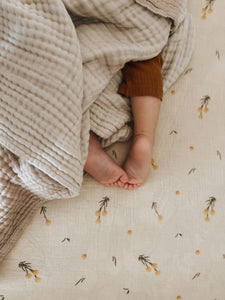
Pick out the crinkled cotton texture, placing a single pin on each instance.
(60, 69)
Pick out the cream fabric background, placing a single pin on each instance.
(171, 242)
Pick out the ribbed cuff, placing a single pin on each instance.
(139, 90)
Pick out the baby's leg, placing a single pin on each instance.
(100, 165)
(137, 166)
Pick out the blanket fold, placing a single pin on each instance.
(61, 67)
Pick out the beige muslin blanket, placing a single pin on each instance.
(61, 66)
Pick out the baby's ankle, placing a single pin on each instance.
(146, 136)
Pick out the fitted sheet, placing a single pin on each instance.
(156, 241)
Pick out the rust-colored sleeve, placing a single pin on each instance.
(142, 78)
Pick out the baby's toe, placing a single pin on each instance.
(126, 185)
(124, 178)
(131, 186)
(120, 183)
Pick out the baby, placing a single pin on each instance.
(142, 82)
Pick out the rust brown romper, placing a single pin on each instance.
(142, 78)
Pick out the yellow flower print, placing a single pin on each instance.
(148, 264)
(103, 206)
(203, 107)
(98, 213)
(27, 268)
(43, 210)
(154, 205)
(208, 8)
(104, 213)
(155, 167)
(98, 220)
(37, 279)
(210, 208)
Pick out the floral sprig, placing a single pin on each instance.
(127, 290)
(196, 275)
(155, 167)
(173, 131)
(103, 206)
(80, 280)
(154, 205)
(211, 203)
(205, 102)
(43, 211)
(65, 239)
(114, 260)
(219, 154)
(26, 268)
(208, 8)
(149, 265)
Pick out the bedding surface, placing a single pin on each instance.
(164, 240)
(60, 70)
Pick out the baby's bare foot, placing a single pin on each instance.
(100, 165)
(138, 163)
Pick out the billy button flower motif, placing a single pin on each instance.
(148, 264)
(43, 211)
(211, 203)
(203, 107)
(155, 167)
(207, 8)
(154, 205)
(26, 268)
(103, 206)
